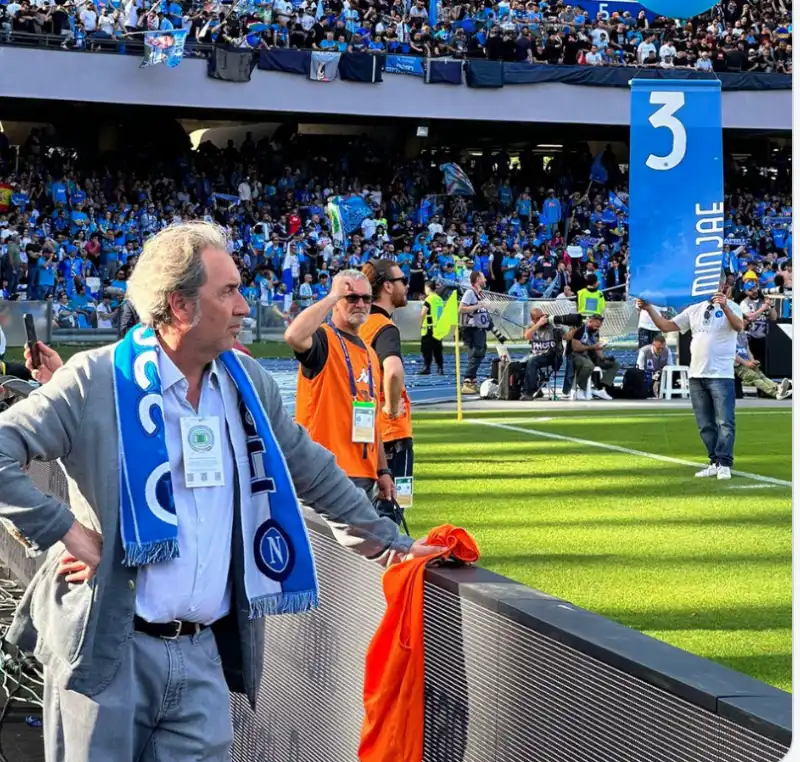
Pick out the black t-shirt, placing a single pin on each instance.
(585, 336)
(313, 361)
(387, 341)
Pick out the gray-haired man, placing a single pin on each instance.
(147, 609)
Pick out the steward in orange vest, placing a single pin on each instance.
(389, 292)
(338, 382)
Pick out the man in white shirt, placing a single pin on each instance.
(645, 49)
(714, 325)
(667, 51)
(105, 314)
(594, 57)
(88, 17)
(132, 665)
(704, 62)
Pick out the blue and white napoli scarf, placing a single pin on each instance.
(280, 577)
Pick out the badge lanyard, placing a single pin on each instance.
(363, 429)
(353, 388)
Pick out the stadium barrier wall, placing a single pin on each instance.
(511, 675)
(118, 79)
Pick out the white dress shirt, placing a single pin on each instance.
(196, 587)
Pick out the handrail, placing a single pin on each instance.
(135, 46)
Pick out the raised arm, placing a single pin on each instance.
(663, 325)
(299, 335)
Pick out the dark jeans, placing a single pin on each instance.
(400, 458)
(431, 349)
(714, 402)
(758, 346)
(569, 375)
(475, 342)
(535, 364)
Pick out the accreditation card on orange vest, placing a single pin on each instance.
(363, 422)
(363, 410)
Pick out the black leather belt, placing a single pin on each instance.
(167, 630)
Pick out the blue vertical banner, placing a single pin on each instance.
(676, 203)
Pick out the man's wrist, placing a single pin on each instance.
(384, 472)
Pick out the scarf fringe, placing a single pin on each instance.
(154, 552)
(284, 603)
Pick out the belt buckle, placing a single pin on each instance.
(177, 634)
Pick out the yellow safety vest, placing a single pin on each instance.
(435, 308)
(591, 302)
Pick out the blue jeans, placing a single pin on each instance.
(714, 401)
(167, 701)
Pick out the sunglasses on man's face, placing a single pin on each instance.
(402, 279)
(354, 298)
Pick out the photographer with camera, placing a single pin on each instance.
(587, 354)
(546, 335)
(652, 359)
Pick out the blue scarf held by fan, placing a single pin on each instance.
(280, 577)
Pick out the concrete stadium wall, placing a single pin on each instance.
(118, 79)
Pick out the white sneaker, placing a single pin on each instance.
(602, 394)
(709, 471)
(580, 395)
(784, 389)
(723, 472)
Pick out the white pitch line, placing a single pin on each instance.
(625, 450)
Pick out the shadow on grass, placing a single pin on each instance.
(774, 669)
(617, 561)
(653, 491)
(742, 617)
(777, 519)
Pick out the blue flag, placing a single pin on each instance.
(164, 47)
(351, 212)
(617, 202)
(598, 173)
(677, 213)
(456, 182)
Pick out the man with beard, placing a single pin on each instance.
(390, 291)
(337, 383)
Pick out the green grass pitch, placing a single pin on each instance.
(701, 564)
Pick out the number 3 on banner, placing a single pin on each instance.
(670, 102)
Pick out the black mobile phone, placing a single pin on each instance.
(30, 330)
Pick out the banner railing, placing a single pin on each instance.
(511, 673)
(480, 72)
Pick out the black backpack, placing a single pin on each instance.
(512, 375)
(634, 385)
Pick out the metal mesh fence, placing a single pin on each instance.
(496, 691)
(512, 315)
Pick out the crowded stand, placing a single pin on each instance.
(71, 230)
(734, 36)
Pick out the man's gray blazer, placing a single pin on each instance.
(78, 631)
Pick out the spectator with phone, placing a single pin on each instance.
(714, 325)
(758, 312)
